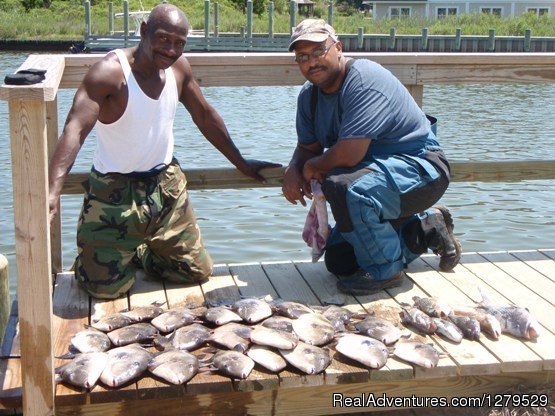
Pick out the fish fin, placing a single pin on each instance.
(406, 335)
(405, 305)
(67, 356)
(162, 342)
(57, 378)
(239, 348)
(158, 303)
(485, 302)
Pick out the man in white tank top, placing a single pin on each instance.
(136, 211)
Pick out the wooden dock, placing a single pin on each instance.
(468, 369)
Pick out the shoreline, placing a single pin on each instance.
(35, 45)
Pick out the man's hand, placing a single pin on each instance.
(53, 208)
(251, 167)
(295, 187)
(310, 171)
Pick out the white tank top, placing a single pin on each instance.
(142, 138)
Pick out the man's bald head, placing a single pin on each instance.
(165, 14)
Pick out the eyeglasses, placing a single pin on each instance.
(316, 54)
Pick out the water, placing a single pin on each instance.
(477, 123)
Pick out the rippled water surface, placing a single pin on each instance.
(477, 122)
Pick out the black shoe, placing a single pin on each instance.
(448, 248)
(361, 284)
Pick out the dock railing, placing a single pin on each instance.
(34, 133)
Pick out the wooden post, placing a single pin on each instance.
(111, 18)
(292, 15)
(125, 23)
(87, 20)
(491, 40)
(249, 19)
(360, 37)
(32, 240)
(56, 226)
(206, 18)
(4, 296)
(216, 19)
(417, 92)
(391, 43)
(458, 43)
(527, 38)
(271, 19)
(330, 13)
(424, 40)
(242, 31)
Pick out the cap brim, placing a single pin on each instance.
(310, 37)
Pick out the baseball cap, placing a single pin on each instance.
(312, 30)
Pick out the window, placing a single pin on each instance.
(398, 12)
(538, 11)
(496, 11)
(446, 11)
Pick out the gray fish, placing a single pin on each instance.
(84, 370)
(141, 332)
(267, 358)
(307, 358)
(280, 323)
(187, 338)
(232, 336)
(488, 323)
(252, 310)
(513, 319)
(90, 340)
(172, 319)
(433, 306)
(111, 322)
(233, 363)
(262, 335)
(424, 355)
(289, 309)
(176, 367)
(469, 326)
(448, 330)
(418, 319)
(368, 351)
(221, 315)
(144, 313)
(125, 364)
(380, 329)
(314, 329)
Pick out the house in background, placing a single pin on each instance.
(441, 8)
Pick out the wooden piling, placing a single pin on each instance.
(4, 295)
(527, 38)
(491, 40)
(125, 23)
(458, 34)
(87, 20)
(330, 13)
(206, 18)
(249, 19)
(216, 19)
(391, 40)
(360, 38)
(292, 15)
(111, 18)
(271, 19)
(424, 40)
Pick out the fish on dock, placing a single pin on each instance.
(418, 319)
(233, 364)
(469, 326)
(173, 319)
(267, 358)
(448, 330)
(416, 352)
(90, 340)
(488, 323)
(113, 321)
(379, 328)
(280, 323)
(432, 306)
(141, 332)
(84, 370)
(314, 329)
(368, 351)
(252, 310)
(284, 340)
(144, 313)
(310, 359)
(233, 336)
(125, 364)
(175, 366)
(289, 309)
(187, 338)
(221, 315)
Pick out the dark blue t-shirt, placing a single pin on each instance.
(372, 103)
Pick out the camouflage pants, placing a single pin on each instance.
(128, 222)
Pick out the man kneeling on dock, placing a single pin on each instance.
(136, 211)
(362, 135)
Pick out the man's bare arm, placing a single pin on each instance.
(295, 187)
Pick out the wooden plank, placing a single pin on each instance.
(10, 381)
(56, 225)
(44, 91)
(470, 356)
(317, 400)
(179, 294)
(34, 281)
(291, 286)
(223, 178)
(539, 261)
(483, 73)
(71, 312)
(513, 354)
(324, 285)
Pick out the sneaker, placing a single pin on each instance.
(449, 248)
(361, 284)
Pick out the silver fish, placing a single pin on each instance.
(84, 370)
(424, 355)
(144, 313)
(233, 363)
(141, 332)
(314, 329)
(187, 338)
(252, 310)
(338, 316)
(469, 326)
(448, 330)
(488, 323)
(418, 319)
(232, 336)
(90, 340)
(176, 367)
(221, 315)
(513, 319)
(267, 358)
(380, 329)
(111, 322)
(307, 358)
(125, 364)
(280, 323)
(172, 319)
(289, 309)
(433, 306)
(274, 338)
(368, 351)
